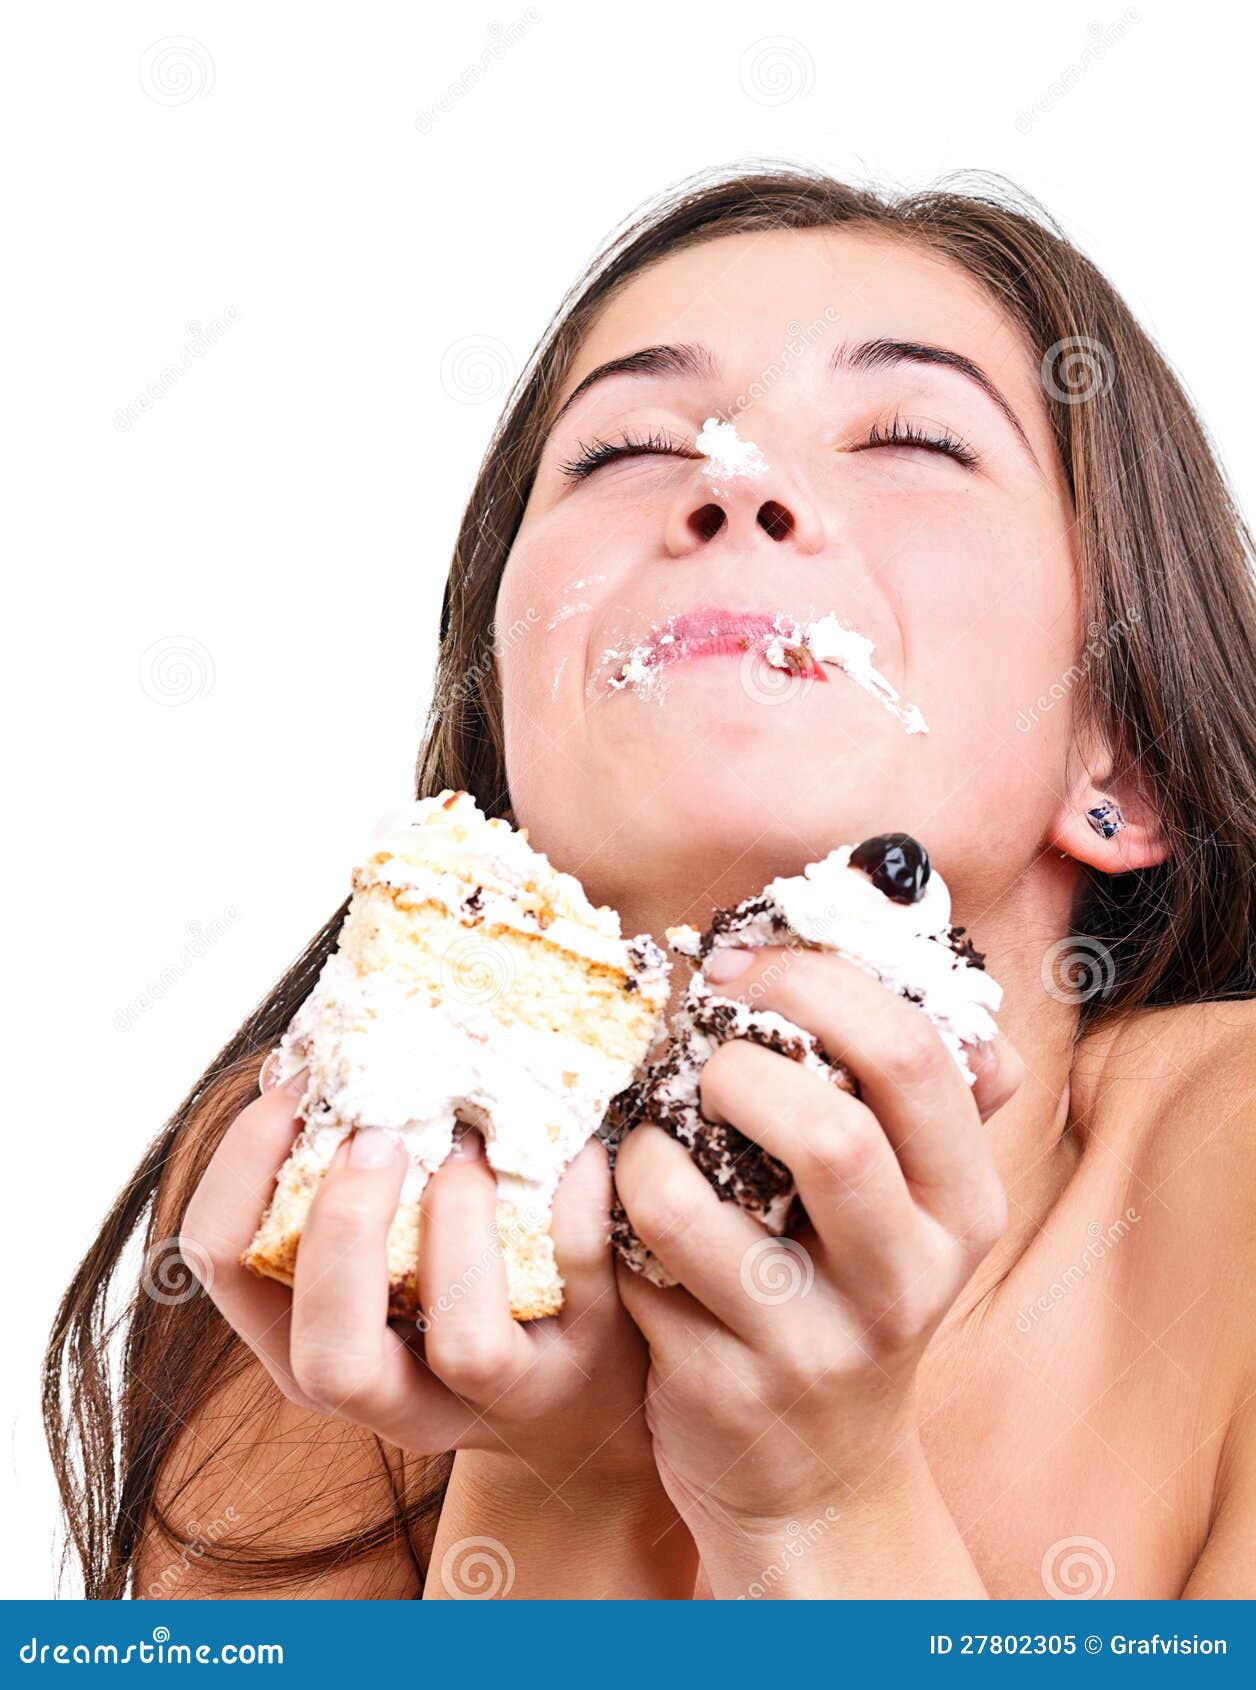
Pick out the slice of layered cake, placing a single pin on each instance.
(879, 905)
(472, 986)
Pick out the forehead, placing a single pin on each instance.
(747, 296)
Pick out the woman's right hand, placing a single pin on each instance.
(563, 1395)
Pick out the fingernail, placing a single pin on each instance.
(468, 1147)
(373, 1147)
(1011, 1064)
(297, 1084)
(727, 965)
(268, 1073)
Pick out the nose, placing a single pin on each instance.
(743, 513)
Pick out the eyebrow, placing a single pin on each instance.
(697, 361)
(649, 361)
(884, 354)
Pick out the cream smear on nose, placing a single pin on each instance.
(728, 456)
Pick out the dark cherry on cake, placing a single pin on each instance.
(896, 864)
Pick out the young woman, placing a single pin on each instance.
(1021, 1362)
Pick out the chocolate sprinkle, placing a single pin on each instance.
(965, 949)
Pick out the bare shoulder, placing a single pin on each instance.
(1182, 1076)
(1186, 1038)
(1175, 1114)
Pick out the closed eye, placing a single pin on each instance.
(658, 444)
(901, 432)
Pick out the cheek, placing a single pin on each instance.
(545, 608)
(989, 616)
(988, 609)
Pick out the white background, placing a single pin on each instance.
(222, 609)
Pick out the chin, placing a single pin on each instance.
(710, 831)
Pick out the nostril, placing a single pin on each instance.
(775, 520)
(707, 521)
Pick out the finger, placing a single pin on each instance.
(670, 1319)
(706, 1243)
(223, 1215)
(470, 1340)
(344, 1356)
(998, 1071)
(906, 1075)
(580, 1229)
(848, 1177)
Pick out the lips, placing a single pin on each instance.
(712, 632)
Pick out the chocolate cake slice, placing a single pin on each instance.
(880, 905)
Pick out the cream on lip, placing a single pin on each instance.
(784, 643)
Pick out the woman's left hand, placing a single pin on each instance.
(782, 1370)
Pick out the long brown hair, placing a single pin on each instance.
(1167, 587)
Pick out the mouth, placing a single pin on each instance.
(714, 632)
(778, 640)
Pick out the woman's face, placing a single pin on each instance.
(671, 729)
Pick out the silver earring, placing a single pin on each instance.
(1106, 819)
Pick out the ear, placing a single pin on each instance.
(1138, 842)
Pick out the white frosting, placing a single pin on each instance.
(728, 456)
(838, 908)
(381, 1055)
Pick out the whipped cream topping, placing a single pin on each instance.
(906, 946)
(380, 1055)
(728, 456)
